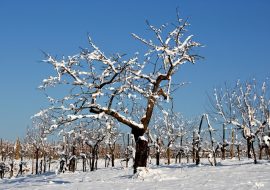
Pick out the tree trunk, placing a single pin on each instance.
(212, 142)
(267, 152)
(187, 158)
(223, 148)
(93, 161)
(90, 160)
(141, 154)
(44, 164)
(84, 164)
(238, 151)
(50, 159)
(127, 151)
(40, 166)
(157, 157)
(254, 154)
(33, 163)
(169, 155)
(37, 151)
(11, 169)
(113, 159)
(141, 149)
(72, 161)
(1, 150)
(261, 150)
(112, 150)
(248, 148)
(232, 145)
(193, 148)
(197, 142)
(94, 158)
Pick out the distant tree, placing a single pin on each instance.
(111, 139)
(168, 128)
(102, 86)
(36, 137)
(246, 106)
(93, 137)
(18, 149)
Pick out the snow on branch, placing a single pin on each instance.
(126, 89)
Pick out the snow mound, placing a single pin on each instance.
(147, 174)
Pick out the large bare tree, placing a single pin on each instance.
(126, 89)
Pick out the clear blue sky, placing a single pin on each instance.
(236, 35)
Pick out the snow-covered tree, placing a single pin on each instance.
(36, 137)
(93, 137)
(117, 86)
(245, 106)
(168, 127)
(111, 139)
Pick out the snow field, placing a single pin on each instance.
(229, 174)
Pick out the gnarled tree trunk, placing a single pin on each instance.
(141, 149)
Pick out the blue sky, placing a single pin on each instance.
(235, 35)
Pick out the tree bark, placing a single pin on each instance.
(141, 149)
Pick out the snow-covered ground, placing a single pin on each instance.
(229, 174)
